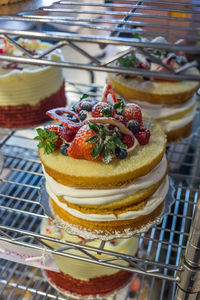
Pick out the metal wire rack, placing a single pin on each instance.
(117, 27)
(21, 216)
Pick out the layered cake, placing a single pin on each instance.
(28, 91)
(171, 102)
(82, 279)
(105, 167)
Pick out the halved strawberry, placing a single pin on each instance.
(132, 112)
(108, 90)
(102, 109)
(80, 148)
(58, 114)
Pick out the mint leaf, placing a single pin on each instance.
(93, 139)
(97, 150)
(119, 143)
(107, 112)
(119, 106)
(84, 96)
(94, 127)
(129, 61)
(47, 139)
(107, 155)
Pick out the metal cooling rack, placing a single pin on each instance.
(21, 215)
(113, 26)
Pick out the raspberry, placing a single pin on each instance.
(121, 119)
(143, 136)
(68, 134)
(132, 112)
(128, 140)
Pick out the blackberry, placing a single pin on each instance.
(121, 153)
(133, 125)
(63, 149)
(82, 115)
(87, 106)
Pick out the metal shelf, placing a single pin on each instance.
(111, 26)
(21, 215)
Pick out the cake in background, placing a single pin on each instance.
(6, 2)
(169, 101)
(81, 279)
(28, 91)
(105, 167)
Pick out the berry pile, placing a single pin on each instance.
(92, 130)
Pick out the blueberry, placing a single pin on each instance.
(82, 115)
(120, 153)
(75, 120)
(133, 125)
(63, 149)
(87, 106)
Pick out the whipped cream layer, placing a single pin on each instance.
(30, 83)
(154, 201)
(95, 197)
(81, 269)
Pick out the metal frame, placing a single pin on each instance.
(19, 187)
(108, 30)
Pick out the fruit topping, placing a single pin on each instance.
(108, 91)
(143, 136)
(66, 117)
(63, 149)
(121, 153)
(68, 134)
(128, 140)
(111, 121)
(49, 138)
(102, 109)
(133, 125)
(95, 142)
(97, 131)
(132, 112)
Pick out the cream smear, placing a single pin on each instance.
(154, 201)
(95, 197)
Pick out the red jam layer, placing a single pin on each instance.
(26, 115)
(99, 286)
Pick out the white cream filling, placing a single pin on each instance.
(158, 111)
(95, 197)
(33, 83)
(151, 205)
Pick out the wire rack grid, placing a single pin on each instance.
(21, 216)
(117, 27)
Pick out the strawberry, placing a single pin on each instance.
(143, 136)
(59, 114)
(102, 109)
(135, 284)
(80, 147)
(132, 112)
(108, 90)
